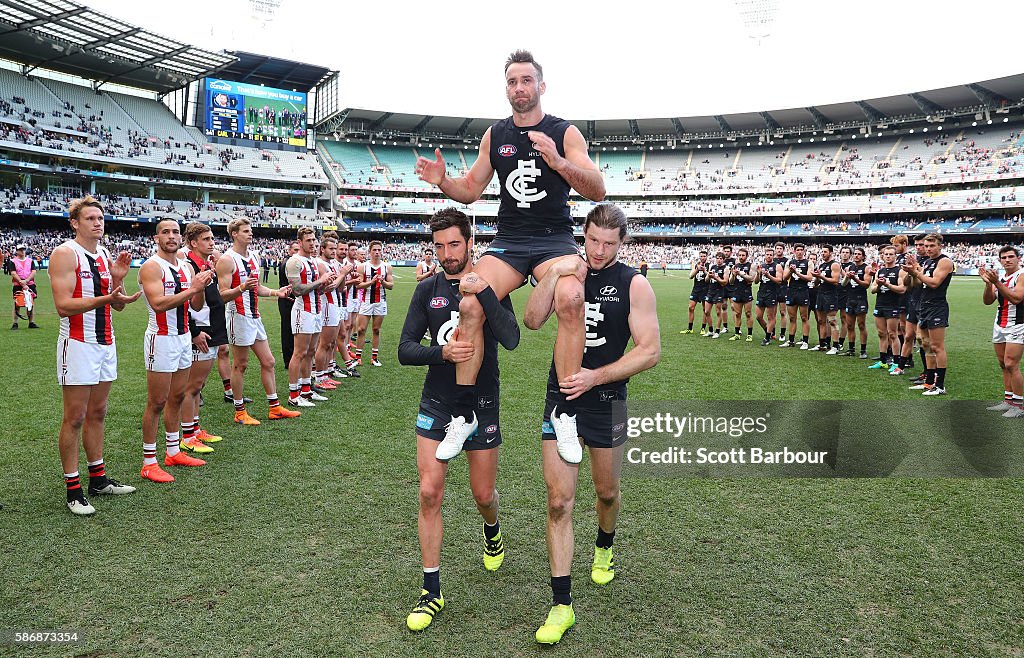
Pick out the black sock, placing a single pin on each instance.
(737, 330)
(432, 581)
(881, 356)
(691, 326)
(561, 586)
(805, 338)
(839, 345)
(465, 396)
(604, 539)
(491, 531)
(750, 331)
(920, 350)
(940, 377)
(929, 375)
(782, 335)
(863, 348)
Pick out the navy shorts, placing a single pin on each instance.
(856, 307)
(887, 312)
(912, 313)
(933, 316)
(827, 303)
(435, 414)
(601, 424)
(798, 297)
(714, 297)
(767, 299)
(743, 299)
(698, 296)
(524, 253)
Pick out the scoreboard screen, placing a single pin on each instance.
(237, 110)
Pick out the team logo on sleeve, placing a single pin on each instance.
(507, 150)
(438, 302)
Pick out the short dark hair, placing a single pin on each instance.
(607, 215)
(446, 218)
(934, 237)
(524, 57)
(194, 230)
(860, 250)
(353, 244)
(376, 242)
(799, 245)
(919, 237)
(161, 220)
(742, 250)
(1009, 248)
(428, 250)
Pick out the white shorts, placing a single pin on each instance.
(353, 303)
(304, 322)
(167, 353)
(379, 308)
(1013, 333)
(332, 315)
(209, 355)
(343, 313)
(85, 364)
(244, 331)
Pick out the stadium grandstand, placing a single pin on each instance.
(91, 104)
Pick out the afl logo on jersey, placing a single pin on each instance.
(491, 429)
(85, 275)
(507, 150)
(438, 302)
(609, 290)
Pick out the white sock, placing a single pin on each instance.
(172, 441)
(148, 454)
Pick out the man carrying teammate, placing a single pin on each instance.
(377, 279)
(1008, 332)
(208, 327)
(169, 290)
(238, 271)
(742, 292)
(619, 306)
(933, 312)
(699, 276)
(538, 159)
(770, 277)
(434, 305)
(306, 280)
(86, 284)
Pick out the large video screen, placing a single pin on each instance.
(263, 114)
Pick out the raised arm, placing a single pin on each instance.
(465, 189)
(578, 170)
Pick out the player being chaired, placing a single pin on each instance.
(170, 291)
(620, 306)
(239, 272)
(538, 158)
(434, 305)
(86, 284)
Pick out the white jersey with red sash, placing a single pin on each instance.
(92, 279)
(1008, 314)
(247, 303)
(377, 292)
(175, 278)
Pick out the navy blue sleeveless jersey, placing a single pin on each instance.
(606, 295)
(534, 198)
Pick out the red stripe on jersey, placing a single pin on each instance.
(106, 287)
(236, 280)
(76, 322)
(161, 316)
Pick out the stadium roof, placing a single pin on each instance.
(71, 38)
(273, 72)
(936, 104)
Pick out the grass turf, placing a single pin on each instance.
(299, 536)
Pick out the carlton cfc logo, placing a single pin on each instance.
(438, 302)
(507, 150)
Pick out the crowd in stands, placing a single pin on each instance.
(139, 243)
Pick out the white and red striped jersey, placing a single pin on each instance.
(92, 279)
(308, 273)
(248, 303)
(340, 294)
(353, 291)
(175, 278)
(326, 297)
(377, 292)
(1008, 314)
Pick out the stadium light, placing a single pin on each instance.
(1005, 119)
(911, 131)
(990, 122)
(799, 141)
(939, 128)
(974, 124)
(924, 130)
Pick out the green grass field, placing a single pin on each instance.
(299, 537)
